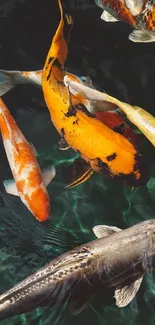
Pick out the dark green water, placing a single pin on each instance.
(124, 70)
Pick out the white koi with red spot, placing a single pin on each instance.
(30, 184)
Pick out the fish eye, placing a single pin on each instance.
(83, 78)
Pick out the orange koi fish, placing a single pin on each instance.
(103, 150)
(29, 183)
(140, 14)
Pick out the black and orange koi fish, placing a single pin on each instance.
(103, 149)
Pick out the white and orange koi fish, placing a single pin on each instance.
(29, 182)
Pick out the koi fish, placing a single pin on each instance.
(114, 121)
(103, 150)
(29, 183)
(140, 14)
(117, 259)
(143, 120)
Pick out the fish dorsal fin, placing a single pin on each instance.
(139, 36)
(125, 294)
(107, 17)
(101, 231)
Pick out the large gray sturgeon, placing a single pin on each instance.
(118, 259)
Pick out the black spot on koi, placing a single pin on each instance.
(112, 157)
(62, 132)
(71, 111)
(104, 167)
(55, 63)
(75, 122)
(82, 108)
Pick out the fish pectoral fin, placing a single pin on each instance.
(59, 237)
(78, 172)
(99, 3)
(48, 174)
(81, 298)
(63, 145)
(107, 17)
(10, 187)
(120, 128)
(139, 36)
(33, 149)
(95, 97)
(125, 294)
(77, 306)
(101, 231)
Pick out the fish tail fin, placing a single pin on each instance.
(64, 27)
(10, 79)
(59, 47)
